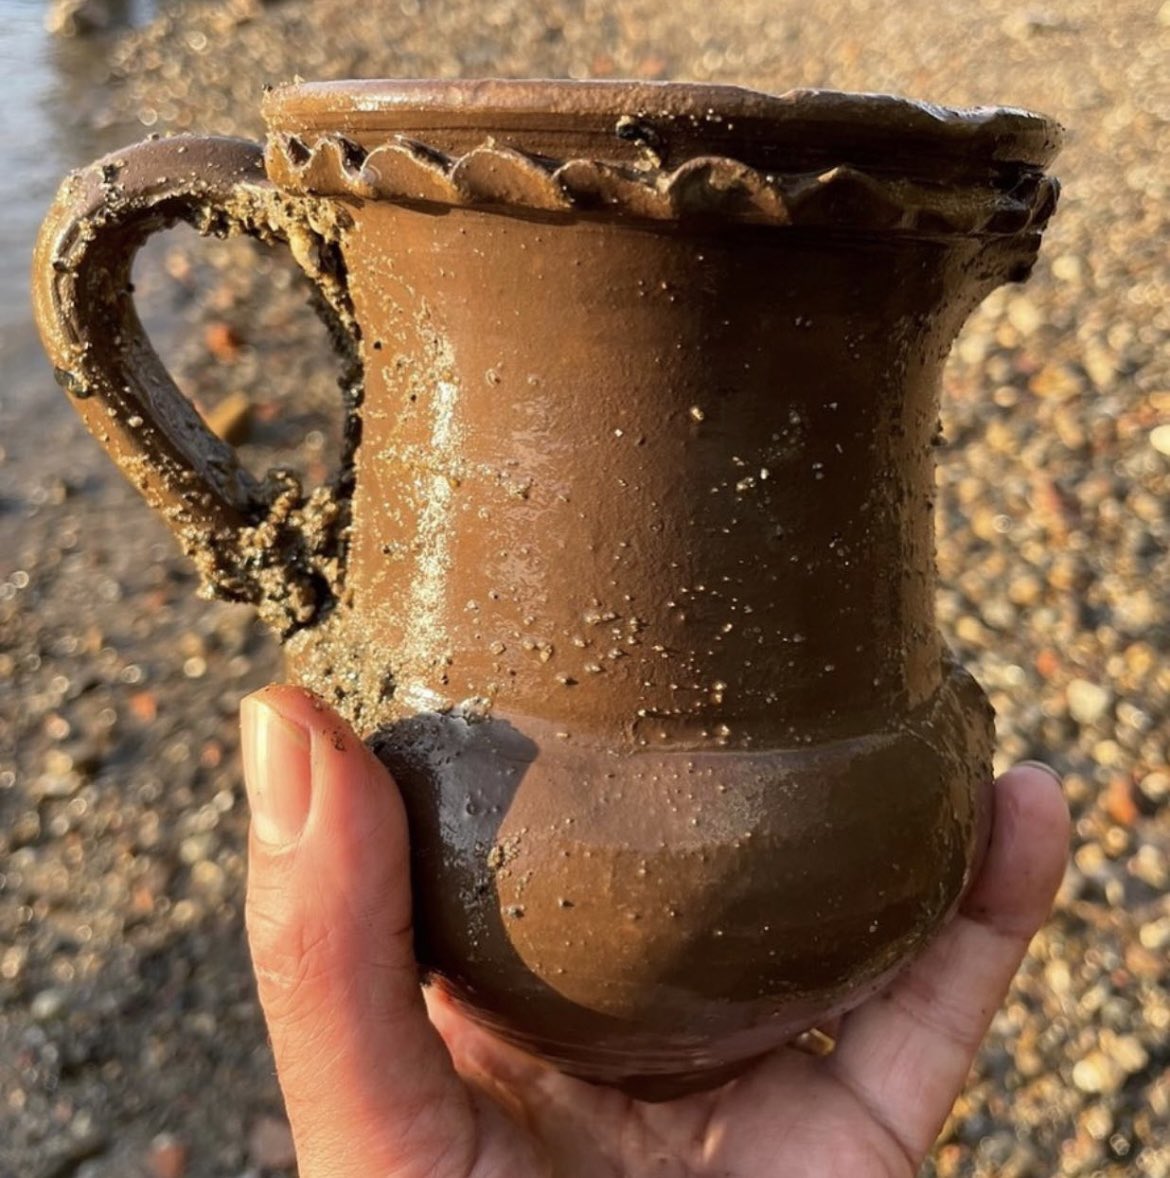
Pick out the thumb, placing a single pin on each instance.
(368, 1085)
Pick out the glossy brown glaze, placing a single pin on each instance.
(628, 573)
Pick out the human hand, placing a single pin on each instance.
(380, 1078)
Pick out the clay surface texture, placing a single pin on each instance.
(628, 569)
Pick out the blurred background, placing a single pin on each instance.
(130, 1040)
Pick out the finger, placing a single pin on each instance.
(368, 1085)
(906, 1053)
(477, 1054)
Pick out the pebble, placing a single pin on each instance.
(167, 1157)
(1155, 787)
(1149, 864)
(1156, 934)
(1128, 1053)
(208, 877)
(231, 419)
(47, 1005)
(1087, 702)
(1098, 1073)
(270, 1144)
(1024, 315)
(1119, 801)
(1100, 363)
(1160, 439)
(79, 18)
(197, 847)
(12, 962)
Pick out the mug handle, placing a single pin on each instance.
(252, 541)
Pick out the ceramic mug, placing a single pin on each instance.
(628, 569)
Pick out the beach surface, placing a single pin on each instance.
(130, 1037)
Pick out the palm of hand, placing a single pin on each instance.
(790, 1115)
(379, 1081)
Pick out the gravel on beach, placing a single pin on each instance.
(131, 1043)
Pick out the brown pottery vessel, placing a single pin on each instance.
(628, 569)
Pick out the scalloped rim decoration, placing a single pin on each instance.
(408, 171)
(865, 127)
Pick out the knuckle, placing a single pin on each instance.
(295, 959)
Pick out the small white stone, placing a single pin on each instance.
(1067, 267)
(1100, 363)
(1129, 1055)
(1087, 702)
(1156, 934)
(1160, 439)
(48, 1004)
(1024, 315)
(1098, 1073)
